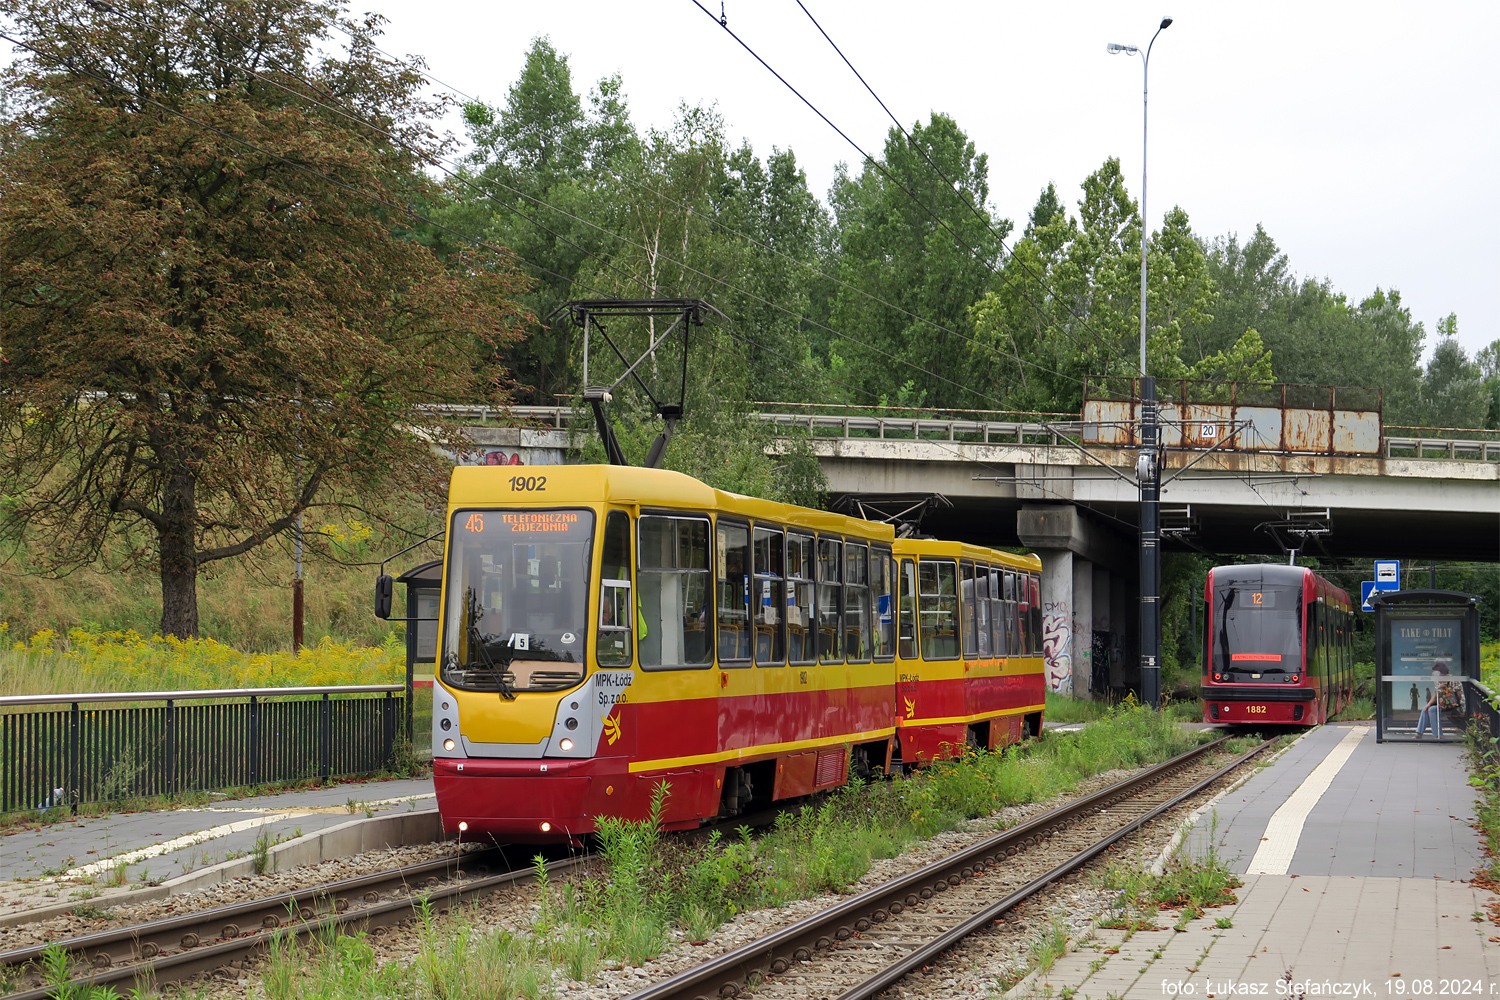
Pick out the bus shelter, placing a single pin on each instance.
(423, 587)
(1426, 664)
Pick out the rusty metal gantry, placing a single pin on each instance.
(587, 313)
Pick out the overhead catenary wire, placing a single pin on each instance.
(884, 171)
(719, 223)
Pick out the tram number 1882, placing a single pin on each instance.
(1256, 709)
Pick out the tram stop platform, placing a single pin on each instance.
(1355, 858)
(130, 856)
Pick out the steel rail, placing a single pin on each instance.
(246, 928)
(743, 968)
(296, 913)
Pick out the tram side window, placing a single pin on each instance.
(801, 627)
(733, 591)
(882, 590)
(997, 613)
(937, 589)
(1034, 594)
(908, 621)
(970, 617)
(674, 578)
(830, 608)
(982, 610)
(768, 594)
(1023, 614)
(615, 617)
(1012, 640)
(856, 603)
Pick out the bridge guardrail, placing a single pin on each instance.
(1483, 446)
(152, 745)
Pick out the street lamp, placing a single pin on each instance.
(1148, 465)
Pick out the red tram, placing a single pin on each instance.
(1277, 646)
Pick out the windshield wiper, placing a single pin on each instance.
(477, 642)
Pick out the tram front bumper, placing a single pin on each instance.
(519, 801)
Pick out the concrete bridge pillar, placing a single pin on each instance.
(1080, 596)
(1104, 639)
(1083, 627)
(1057, 618)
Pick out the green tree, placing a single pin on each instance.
(1454, 393)
(205, 338)
(1316, 336)
(1488, 360)
(541, 169)
(1068, 305)
(929, 258)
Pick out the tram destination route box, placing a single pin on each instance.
(1426, 662)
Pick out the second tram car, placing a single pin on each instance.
(1277, 646)
(605, 630)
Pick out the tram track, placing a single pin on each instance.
(913, 915)
(866, 944)
(175, 948)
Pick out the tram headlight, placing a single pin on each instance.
(571, 724)
(546, 827)
(448, 744)
(565, 745)
(447, 724)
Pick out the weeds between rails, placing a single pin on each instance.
(650, 888)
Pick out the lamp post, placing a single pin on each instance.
(1148, 464)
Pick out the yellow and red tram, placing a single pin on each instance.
(605, 629)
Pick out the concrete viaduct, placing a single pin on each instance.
(1067, 492)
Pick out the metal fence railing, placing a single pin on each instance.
(71, 749)
(1480, 707)
(987, 427)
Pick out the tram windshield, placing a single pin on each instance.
(516, 611)
(1257, 632)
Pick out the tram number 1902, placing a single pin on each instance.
(528, 484)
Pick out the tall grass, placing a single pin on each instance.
(244, 602)
(1483, 752)
(47, 663)
(651, 887)
(651, 884)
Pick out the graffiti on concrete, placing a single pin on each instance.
(1057, 643)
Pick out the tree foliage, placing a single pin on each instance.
(205, 336)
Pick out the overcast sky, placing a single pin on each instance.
(1364, 136)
